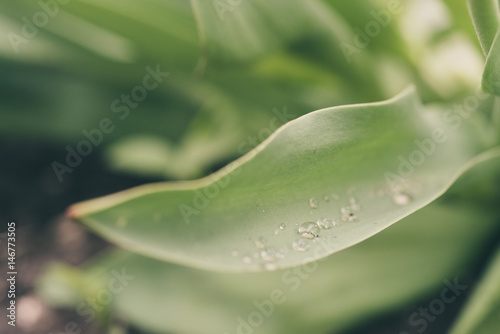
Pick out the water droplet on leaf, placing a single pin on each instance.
(348, 215)
(325, 223)
(269, 266)
(300, 245)
(247, 259)
(266, 256)
(280, 228)
(401, 198)
(308, 230)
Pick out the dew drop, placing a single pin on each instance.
(308, 230)
(313, 202)
(348, 215)
(280, 228)
(247, 259)
(269, 266)
(325, 223)
(235, 252)
(401, 198)
(300, 245)
(267, 256)
(326, 198)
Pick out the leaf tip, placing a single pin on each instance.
(72, 212)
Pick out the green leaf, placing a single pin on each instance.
(491, 75)
(485, 16)
(247, 31)
(338, 163)
(403, 263)
(481, 315)
(62, 285)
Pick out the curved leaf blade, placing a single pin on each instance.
(330, 164)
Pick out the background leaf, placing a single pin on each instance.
(482, 313)
(485, 16)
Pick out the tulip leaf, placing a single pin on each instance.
(332, 177)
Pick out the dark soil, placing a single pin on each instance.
(32, 197)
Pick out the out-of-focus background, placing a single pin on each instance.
(97, 96)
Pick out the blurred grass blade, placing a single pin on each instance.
(482, 313)
(330, 167)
